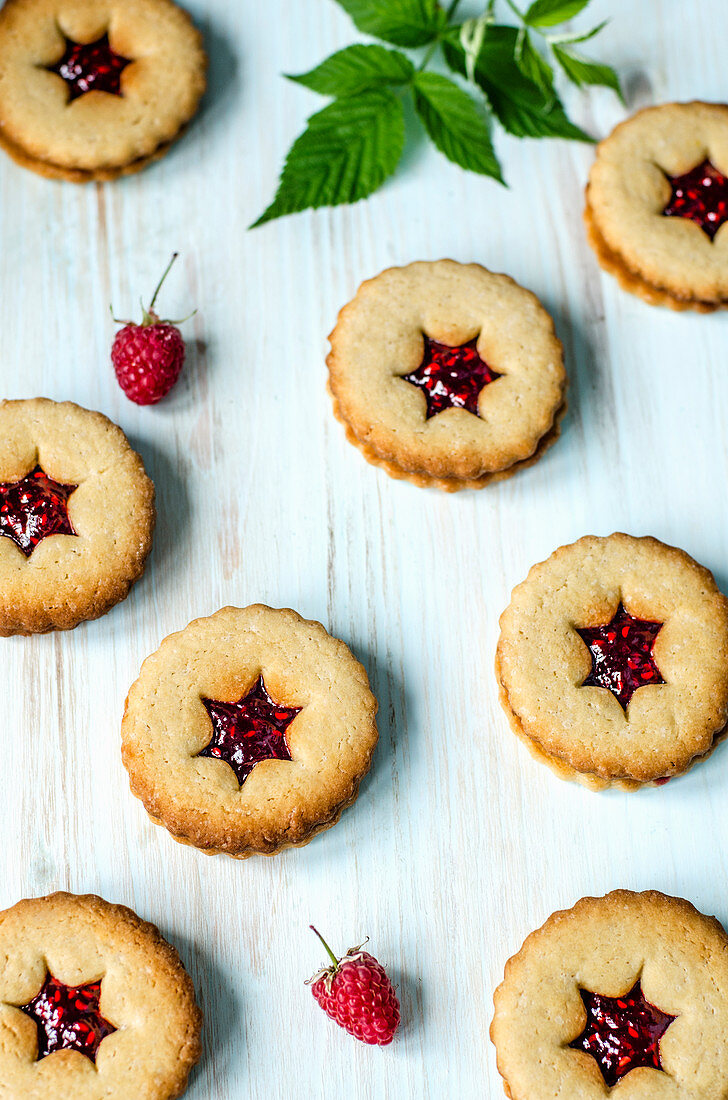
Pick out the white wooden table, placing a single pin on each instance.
(459, 844)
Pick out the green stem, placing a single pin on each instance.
(332, 956)
(159, 284)
(515, 10)
(452, 8)
(428, 57)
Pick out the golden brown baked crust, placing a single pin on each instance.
(379, 338)
(448, 485)
(665, 261)
(68, 579)
(630, 280)
(541, 662)
(145, 993)
(281, 803)
(564, 770)
(78, 175)
(604, 945)
(96, 136)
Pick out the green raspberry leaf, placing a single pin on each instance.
(521, 106)
(357, 69)
(578, 36)
(345, 153)
(401, 22)
(580, 70)
(455, 124)
(533, 66)
(548, 13)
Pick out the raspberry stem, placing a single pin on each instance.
(330, 953)
(159, 284)
(149, 317)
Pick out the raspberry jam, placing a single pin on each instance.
(251, 730)
(33, 508)
(68, 1018)
(700, 195)
(621, 655)
(451, 377)
(622, 1033)
(91, 66)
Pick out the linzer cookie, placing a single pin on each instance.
(613, 662)
(447, 375)
(76, 516)
(93, 1003)
(94, 89)
(628, 991)
(249, 731)
(657, 201)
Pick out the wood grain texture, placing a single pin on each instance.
(459, 844)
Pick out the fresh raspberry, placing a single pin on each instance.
(356, 992)
(148, 357)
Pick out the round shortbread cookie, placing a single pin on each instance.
(249, 731)
(76, 516)
(613, 661)
(626, 992)
(446, 374)
(667, 160)
(94, 89)
(94, 1004)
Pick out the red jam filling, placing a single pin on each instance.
(451, 377)
(701, 195)
(251, 730)
(68, 1018)
(33, 508)
(621, 655)
(91, 66)
(622, 1033)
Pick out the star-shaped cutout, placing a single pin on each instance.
(451, 377)
(33, 508)
(622, 1033)
(700, 195)
(251, 730)
(91, 66)
(68, 1018)
(621, 654)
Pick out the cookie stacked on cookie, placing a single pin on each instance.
(613, 662)
(249, 731)
(93, 1003)
(98, 89)
(447, 375)
(657, 202)
(627, 991)
(76, 516)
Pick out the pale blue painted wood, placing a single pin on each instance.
(459, 844)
